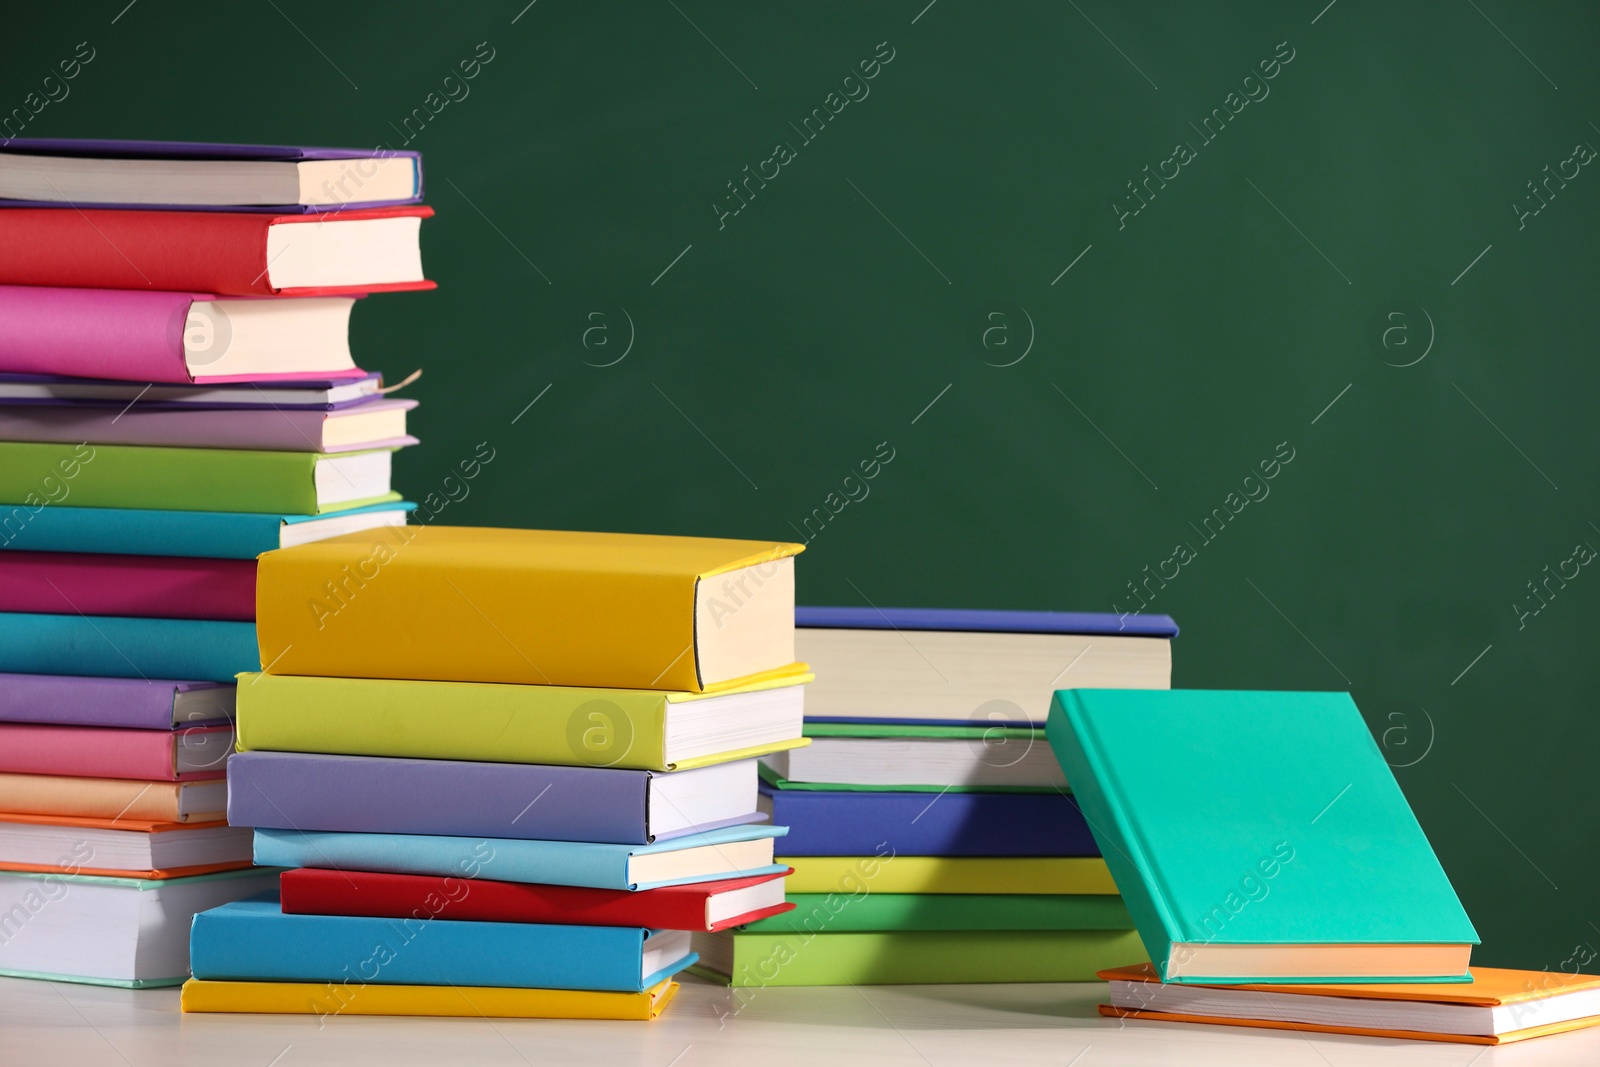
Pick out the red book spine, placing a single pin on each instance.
(308, 891)
(187, 251)
(71, 583)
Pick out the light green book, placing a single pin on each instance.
(849, 913)
(748, 958)
(191, 479)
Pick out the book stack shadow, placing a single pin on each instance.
(932, 834)
(177, 395)
(510, 774)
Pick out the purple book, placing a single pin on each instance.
(139, 703)
(270, 429)
(202, 176)
(322, 394)
(457, 798)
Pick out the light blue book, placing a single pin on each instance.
(1259, 837)
(732, 852)
(112, 646)
(253, 941)
(212, 534)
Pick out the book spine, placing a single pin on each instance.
(89, 798)
(93, 333)
(448, 798)
(501, 723)
(83, 701)
(138, 532)
(87, 751)
(545, 862)
(111, 646)
(323, 892)
(241, 944)
(176, 479)
(204, 252)
(273, 430)
(959, 824)
(1071, 738)
(66, 583)
(628, 631)
(923, 957)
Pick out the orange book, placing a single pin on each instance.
(123, 848)
(1497, 1007)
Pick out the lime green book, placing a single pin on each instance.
(749, 958)
(191, 479)
(837, 913)
(568, 726)
(962, 875)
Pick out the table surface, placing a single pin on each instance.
(56, 1023)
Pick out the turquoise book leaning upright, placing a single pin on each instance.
(1259, 837)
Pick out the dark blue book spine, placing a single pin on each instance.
(446, 798)
(929, 824)
(1006, 622)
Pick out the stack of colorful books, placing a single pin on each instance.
(932, 833)
(1279, 879)
(177, 395)
(512, 771)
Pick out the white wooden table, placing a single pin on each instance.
(59, 1025)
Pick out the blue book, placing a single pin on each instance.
(851, 823)
(732, 852)
(996, 622)
(254, 941)
(459, 798)
(1259, 837)
(211, 534)
(111, 646)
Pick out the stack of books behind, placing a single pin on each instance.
(931, 831)
(177, 395)
(512, 771)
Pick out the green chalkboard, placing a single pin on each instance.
(1069, 278)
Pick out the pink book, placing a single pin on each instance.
(145, 336)
(189, 754)
(159, 587)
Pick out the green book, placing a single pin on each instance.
(1259, 837)
(748, 958)
(847, 913)
(191, 479)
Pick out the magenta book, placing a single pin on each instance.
(157, 587)
(183, 338)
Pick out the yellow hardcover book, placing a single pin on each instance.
(852, 875)
(533, 607)
(560, 725)
(488, 1002)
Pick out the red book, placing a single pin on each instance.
(160, 587)
(704, 906)
(215, 252)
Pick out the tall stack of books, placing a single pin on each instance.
(1279, 879)
(512, 771)
(932, 833)
(177, 394)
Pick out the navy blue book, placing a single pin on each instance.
(928, 824)
(993, 622)
(975, 668)
(254, 941)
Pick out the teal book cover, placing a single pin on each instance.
(1259, 830)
